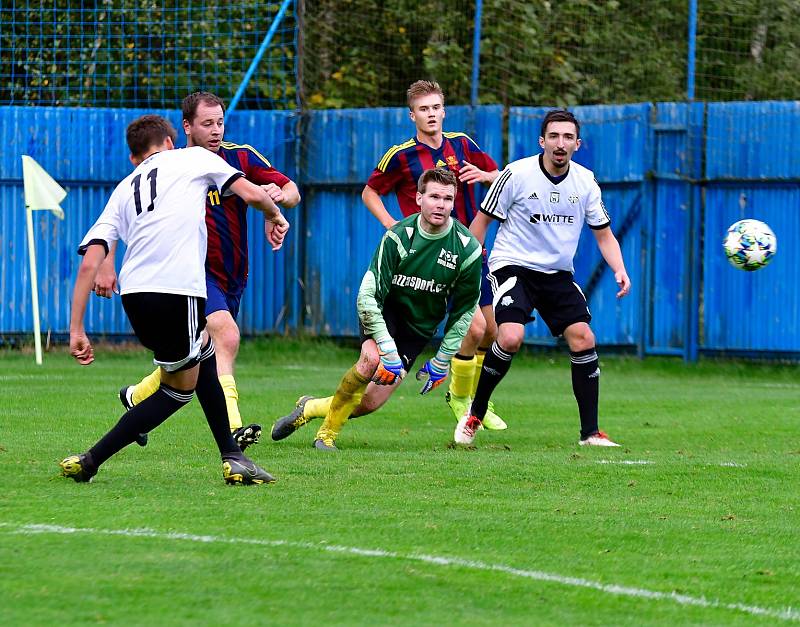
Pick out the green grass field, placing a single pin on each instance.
(693, 521)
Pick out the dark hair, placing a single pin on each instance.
(148, 131)
(442, 176)
(422, 88)
(560, 115)
(192, 101)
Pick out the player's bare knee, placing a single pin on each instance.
(510, 340)
(580, 337)
(367, 363)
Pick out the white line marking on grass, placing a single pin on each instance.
(733, 465)
(788, 613)
(625, 462)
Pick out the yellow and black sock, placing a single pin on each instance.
(347, 397)
(462, 372)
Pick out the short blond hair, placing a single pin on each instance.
(422, 88)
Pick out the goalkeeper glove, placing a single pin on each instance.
(436, 370)
(390, 368)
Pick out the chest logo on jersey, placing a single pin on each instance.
(551, 218)
(533, 196)
(554, 196)
(416, 283)
(447, 259)
(573, 199)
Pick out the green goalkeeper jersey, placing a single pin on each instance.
(417, 276)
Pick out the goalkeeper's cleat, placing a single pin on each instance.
(325, 444)
(245, 436)
(78, 467)
(597, 439)
(459, 405)
(242, 471)
(126, 398)
(286, 426)
(492, 421)
(466, 429)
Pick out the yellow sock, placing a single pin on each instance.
(231, 400)
(147, 386)
(462, 371)
(317, 407)
(347, 397)
(478, 366)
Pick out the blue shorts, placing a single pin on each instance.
(487, 296)
(219, 300)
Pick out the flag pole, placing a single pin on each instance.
(37, 332)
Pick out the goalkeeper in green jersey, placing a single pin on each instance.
(426, 266)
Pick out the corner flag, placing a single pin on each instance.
(41, 192)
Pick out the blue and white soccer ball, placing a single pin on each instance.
(750, 244)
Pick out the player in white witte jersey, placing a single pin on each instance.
(542, 203)
(159, 211)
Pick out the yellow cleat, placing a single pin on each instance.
(458, 404)
(492, 421)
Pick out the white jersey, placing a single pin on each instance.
(541, 219)
(159, 211)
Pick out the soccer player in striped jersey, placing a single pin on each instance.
(226, 265)
(398, 172)
(542, 203)
(426, 266)
(159, 211)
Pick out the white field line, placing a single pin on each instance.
(788, 614)
(625, 462)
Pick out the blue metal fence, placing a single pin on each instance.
(671, 194)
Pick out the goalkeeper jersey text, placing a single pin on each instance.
(541, 216)
(159, 211)
(416, 276)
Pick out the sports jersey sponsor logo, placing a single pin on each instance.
(440, 164)
(533, 196)
(554, 196)
(506, 301)
(447, 259)
(573, 199)
(415, 283)
(551, 218)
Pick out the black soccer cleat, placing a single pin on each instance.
(126, 398)
(77, 467)
(325, 444)
(286, 426)
(245, 436)
(242, 471)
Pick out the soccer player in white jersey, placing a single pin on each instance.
(542, 203)
(159, 211)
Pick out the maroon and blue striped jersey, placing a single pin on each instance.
(403, 164)
(226, 218)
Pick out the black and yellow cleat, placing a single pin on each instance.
(78, 467)
(325, 444)
(286, 426)
(242, 471)
(245, 436)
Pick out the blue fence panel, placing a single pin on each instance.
(670, 243)
(85, 151)
(757, 311)
(614, 145)
(753, 140)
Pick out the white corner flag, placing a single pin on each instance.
(41, 192)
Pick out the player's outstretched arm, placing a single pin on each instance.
(609, 248)
(255, 196)
(105, 283)
(79, 346)
(469, 173)
(373, 202)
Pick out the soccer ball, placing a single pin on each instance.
(750, 244)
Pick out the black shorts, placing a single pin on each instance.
(169, 325)
(409, 343)
(557, 298)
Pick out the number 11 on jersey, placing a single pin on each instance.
(137, 198)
